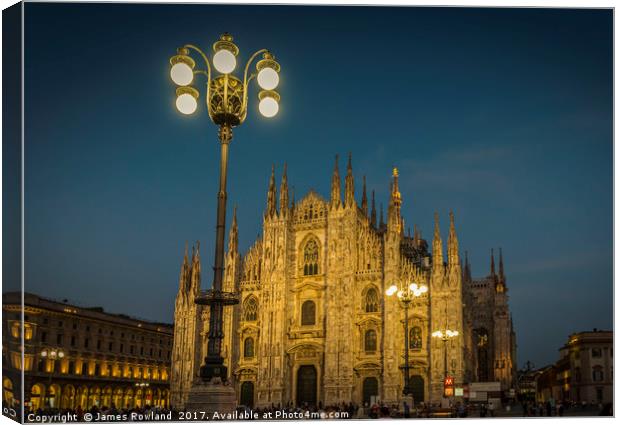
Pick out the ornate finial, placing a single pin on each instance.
(226, 37)
(395, 172)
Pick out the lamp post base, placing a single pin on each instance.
(212, 397)
(213, 368)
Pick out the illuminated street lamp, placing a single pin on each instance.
(226, 100)
(406, 294)
(445, 335)
(51, 354)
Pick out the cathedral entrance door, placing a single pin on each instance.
(417, 388)
(247, 394)
(306, 385)
(371, 387)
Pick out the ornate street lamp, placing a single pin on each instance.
(445, 335)
(226, 99)
(52, 354)
(406, 295)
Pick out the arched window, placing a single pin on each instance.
(597, 373)
(311, 258)
(250, 309)
(308, 313)
(371, 302)
(248, 348)
(370, 341)
(415, 338)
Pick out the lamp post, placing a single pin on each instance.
(445, 335)
(226, 100)
(406, 295)
(51, 354)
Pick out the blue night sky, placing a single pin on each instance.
(502, 115)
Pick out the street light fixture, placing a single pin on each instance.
(51, 354)
(226, 99)
(445, 335)
(406, 294)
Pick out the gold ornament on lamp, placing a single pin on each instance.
(226, 96)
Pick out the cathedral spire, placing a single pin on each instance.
(335, 192)
(373, 212)
(284, 194)
(395, 221)
(195, 270)
(364, 198)
(381, 223)
(453, 243)
(293, 198)
(502, 277)
(349, 188)
(437, 246)
(271, 195)
(233, 234)
(184, 275)
(492, 263)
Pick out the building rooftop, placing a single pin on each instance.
(94, 313)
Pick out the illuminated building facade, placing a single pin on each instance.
(313, 324)
(75, 356)
(584, 371)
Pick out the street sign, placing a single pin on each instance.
(448, 386)
(458, 392)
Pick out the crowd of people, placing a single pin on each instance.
(559, 408)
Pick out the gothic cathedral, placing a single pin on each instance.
(314, 325)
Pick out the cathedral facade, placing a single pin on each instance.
(314, 325)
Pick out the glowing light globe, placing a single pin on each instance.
(224, 61)
(268, 107)
(186, 104)
(182, 74)
(268, 78)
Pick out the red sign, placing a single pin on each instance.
(448, 381)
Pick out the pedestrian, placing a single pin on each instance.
(406, 410)
(492, 408)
